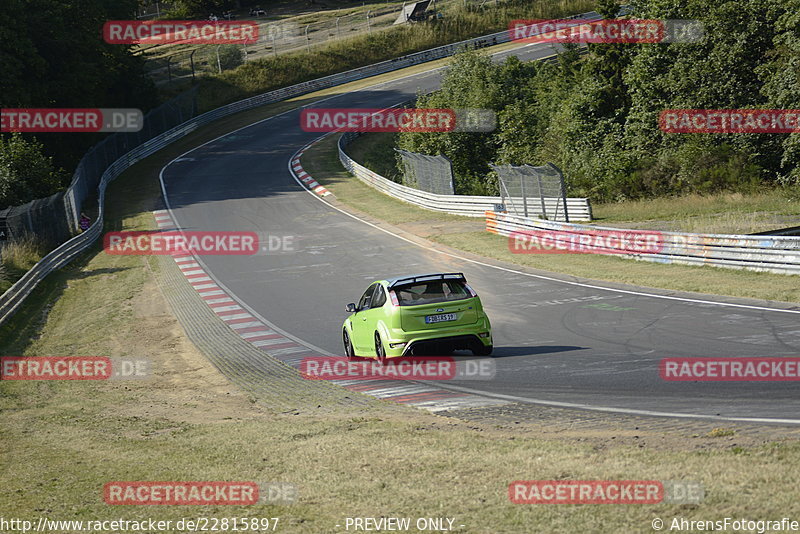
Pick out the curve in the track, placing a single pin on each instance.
(554, 346)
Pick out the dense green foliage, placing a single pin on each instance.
(194, 9)
(25, 173)
(53, 56)
(230, 56)
(596, 117)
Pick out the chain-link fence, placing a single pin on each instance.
(152, 10)
(45, 217)
(53, 220)
(433, 174)
(100, 156)
(172, 63)
(533, 191)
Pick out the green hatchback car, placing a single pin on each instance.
(415, 315)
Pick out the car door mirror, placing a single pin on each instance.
(352, 308)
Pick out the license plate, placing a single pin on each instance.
(440, 318)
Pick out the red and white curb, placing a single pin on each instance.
(163, 220)
(304, 177)
(292, 353)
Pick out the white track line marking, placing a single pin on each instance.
(235, 316)
(240, 326)
(211, 302)
(207, 286)
(248, 335)
(628, 411)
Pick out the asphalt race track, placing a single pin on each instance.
(552, 344)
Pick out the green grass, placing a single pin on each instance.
(185, 423)
(376, 152)
(718, 213)
(17, 258)
(344, 465)
(469, 235)
(721, 432)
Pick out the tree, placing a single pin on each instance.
(781, 75)
(25, 172)
(473, 81)
(193, 9)
(717, 72)
(53, 56)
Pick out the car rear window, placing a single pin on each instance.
(431, 292)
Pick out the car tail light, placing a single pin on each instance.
(395, 302)
(471, 292)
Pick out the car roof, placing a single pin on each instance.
(422, 277)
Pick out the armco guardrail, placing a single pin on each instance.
(16, 294)
(578, 209)
(757, 253)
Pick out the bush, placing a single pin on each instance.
(25, 172)
(230, 56)
(20, 256)
(17, 258)
(5, 280)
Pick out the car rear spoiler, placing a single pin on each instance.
(427, 278)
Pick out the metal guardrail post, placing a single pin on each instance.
(524, 197)
(191, 61)
(541, 195)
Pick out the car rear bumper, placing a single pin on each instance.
(444, 345)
